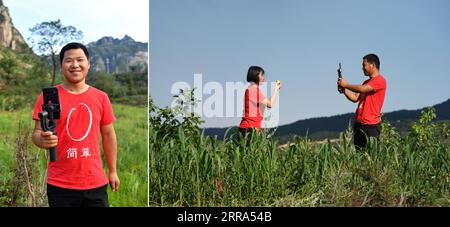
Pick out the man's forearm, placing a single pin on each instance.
(350, 95)
(110, 149)
(356, 88)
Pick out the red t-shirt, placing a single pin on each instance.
(79, 164)
(253, 111)
(369, 108)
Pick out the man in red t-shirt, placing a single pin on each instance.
(77, 177)
(371, 98)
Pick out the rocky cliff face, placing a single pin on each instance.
(10, 37)
(118, 55)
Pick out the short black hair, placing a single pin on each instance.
(253, 74)
(72, 46)
(373, 59)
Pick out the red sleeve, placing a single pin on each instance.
(108, 114)
(377, 84)
(38, 107)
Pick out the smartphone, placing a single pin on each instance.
(51, 98)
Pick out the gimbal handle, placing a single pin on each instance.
(48, 124)
(339, 70)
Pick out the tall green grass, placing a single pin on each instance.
(131, 130)
(190, 169)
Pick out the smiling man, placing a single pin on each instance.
(77, 178)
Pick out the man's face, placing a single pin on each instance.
(367, 67)
(75, 66)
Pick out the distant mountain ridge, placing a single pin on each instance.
(113, 55)
(109, 41)
(330, 127)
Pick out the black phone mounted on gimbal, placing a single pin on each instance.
(51, 111)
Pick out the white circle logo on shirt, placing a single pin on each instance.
(90, 123)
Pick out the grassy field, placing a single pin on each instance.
(190, 169)
(131, 130)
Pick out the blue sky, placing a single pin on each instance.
(96, 18)
(301, 42)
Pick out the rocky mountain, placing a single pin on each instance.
(22, 73)
(10, 37)
(113, 55)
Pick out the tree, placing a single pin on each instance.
(47, 37)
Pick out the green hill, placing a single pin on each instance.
(22, 75)
(330, 127)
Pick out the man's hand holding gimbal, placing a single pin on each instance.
(342, 83)
(348, 90)
(48, 140)
(44, 140)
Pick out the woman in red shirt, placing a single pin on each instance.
(253, 110)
